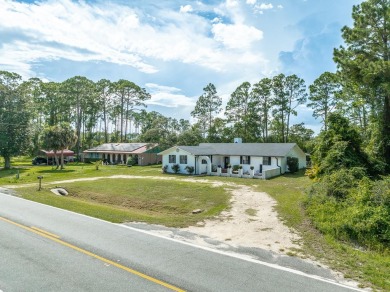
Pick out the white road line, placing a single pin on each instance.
(245, 258)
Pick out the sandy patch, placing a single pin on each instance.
(251, 222)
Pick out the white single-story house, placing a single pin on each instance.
(114, 153)
(255, 159)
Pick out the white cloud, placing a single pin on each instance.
(280, 6)
(161, 88)
(231, 3)
(260, 8)
(185, 9)
(236, 36)
(80, 31)
(251, 2)
(264, 6)
(168, 96)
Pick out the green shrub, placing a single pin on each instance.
(190, 169)
(338, 184)
(175, 168)
(131, 161)
(235, 167)
(91, 160)
(97, 164)
(293, 164)
(352, 208)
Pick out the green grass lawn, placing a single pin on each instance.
(170, 203)
(28, 173)
(147, 200)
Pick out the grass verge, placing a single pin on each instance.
(28, 173)
(146, 200)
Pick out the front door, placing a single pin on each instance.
(227, 161)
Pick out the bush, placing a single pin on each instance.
(97, 164)
(165, 168)
(235, 167)
(190, 169)
(351, 207)
(91, 160)
(175, 168)
(131, 161)
(293, 164)
(338, 184)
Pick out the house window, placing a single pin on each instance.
(204, 161)
(183, 159)
(172, 158)
(267, 160)
(245, 159)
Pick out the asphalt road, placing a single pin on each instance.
(47, 249)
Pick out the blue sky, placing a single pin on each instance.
(173, 48)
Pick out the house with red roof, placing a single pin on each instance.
(119, 153)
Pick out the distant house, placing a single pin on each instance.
(114, 153)
(66, 153)
(266, 159)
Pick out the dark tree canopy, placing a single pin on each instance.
(15, 116)
(366, 56)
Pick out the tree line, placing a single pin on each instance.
(350, 199)
(105, 111)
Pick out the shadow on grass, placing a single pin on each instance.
(56, 171)
(13, 171)
(298, 174)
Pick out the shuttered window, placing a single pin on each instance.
(245, 159)
(172, 158)
(266, 160)
(183, 159)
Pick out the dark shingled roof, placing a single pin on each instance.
(197, 150)
(237, 149)
(251, 149)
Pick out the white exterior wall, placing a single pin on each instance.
(271, 173)
(217, 160)
(234, 160)
(190, 161)
(255, 162)
(283, 164)
(201, 168)
(298, 153)
(274, 163)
